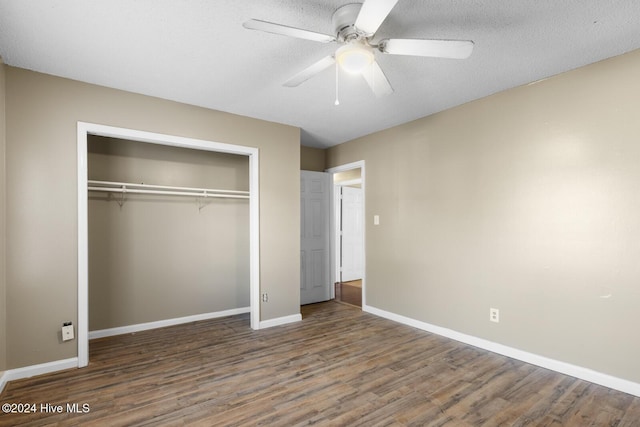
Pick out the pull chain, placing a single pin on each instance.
(337, 73)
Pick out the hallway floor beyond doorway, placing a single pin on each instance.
(349, 292)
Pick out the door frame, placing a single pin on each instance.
(334, 237)
(83, 130)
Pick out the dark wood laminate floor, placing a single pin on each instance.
(338, 367)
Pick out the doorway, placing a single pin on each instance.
(86, 129)
(348, 233)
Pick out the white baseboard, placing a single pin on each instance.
(544, 362)
(280, 321)
(168, 322)
(33, 370)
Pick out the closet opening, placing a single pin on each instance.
(167, 231)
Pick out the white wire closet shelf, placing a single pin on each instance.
(133, 188)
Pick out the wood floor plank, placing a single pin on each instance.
(338, 367)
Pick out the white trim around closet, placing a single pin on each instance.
(85, 129)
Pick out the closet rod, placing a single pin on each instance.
(168, 193)
(164, 187)
(126, 187)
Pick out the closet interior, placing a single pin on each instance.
(168, 232)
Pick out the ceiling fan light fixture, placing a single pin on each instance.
(354, 58)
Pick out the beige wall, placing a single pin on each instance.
(312, 159)
(162, 257)
(42, 115)
(3, 305)
(527, 201)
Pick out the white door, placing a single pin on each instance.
(314, 237)
(352, 234)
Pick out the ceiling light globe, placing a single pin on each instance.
(354, 58)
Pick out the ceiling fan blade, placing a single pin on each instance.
(311, 71)
(270, 27)
(377, 81)
(453, 49)
(372, 14)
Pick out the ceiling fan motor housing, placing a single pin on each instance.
(343, 21)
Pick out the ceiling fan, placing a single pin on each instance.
(355, 26)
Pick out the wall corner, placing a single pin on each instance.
(3, 228)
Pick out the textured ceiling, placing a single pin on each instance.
(197, 52)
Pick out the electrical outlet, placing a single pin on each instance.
(67, 331)
(265, 297)
(494, 315)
